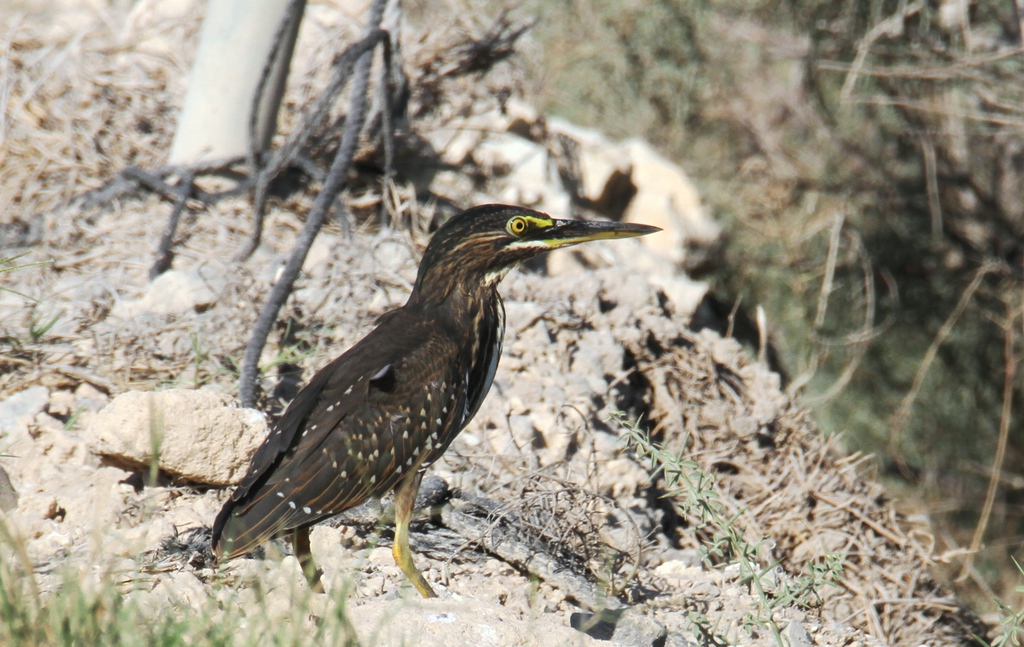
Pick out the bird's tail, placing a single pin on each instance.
(238, 529)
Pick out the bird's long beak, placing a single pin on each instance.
(563, 233)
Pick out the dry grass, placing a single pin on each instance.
(779, 478)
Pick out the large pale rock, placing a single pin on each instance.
(526, 175)
(605, 169)
(633, 182)
(456, 140)
(201, 436)
(666, 198)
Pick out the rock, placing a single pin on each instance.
(56, 443)
(8, 495)
(683, 293)
(320, 254)
(624, 627)
(676, 571)
(201, 436)
(523, 119)
(631, 181)
(392, 256)
(622, 477)
(175, 292)
(636, 630)
(605, 169)
(597, 353)
(523, 172)
(90, 398)
(666, 198)
(381, 556)
(330, 549)
(96, 500)
(373, 585)
(522, 431)
(62, 403)
(22, 407)
(797, 635)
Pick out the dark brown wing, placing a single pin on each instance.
(491, 336)
(361, 423)
(464, 391)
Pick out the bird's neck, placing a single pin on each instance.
(454, 290)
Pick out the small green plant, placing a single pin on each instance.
(700, 626)
(291, 354)
(37, 328)
(804, 589)
(7, 265)
(1011, 623)
(72, 420)
(292, 350)
(693, 491)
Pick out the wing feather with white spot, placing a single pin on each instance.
(362, 443)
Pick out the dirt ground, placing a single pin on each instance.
(588, 335)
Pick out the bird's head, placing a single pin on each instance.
(480, 245)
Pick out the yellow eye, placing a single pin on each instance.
(517, 226)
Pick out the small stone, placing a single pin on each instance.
(797, 635)
(678, 571)
(22, 407)
(372, 586)
(62, 403)
(523, 433)
(175, 292)
(497, 567)
(86, 391)
(320, 254)
(46, 422)
(381, 557)
(323, 538)
(392, 255)
(8, 495)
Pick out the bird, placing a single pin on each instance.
(374, 419)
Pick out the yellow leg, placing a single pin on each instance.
(300, 544)
(405, 499)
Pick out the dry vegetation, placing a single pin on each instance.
(84, 99)
(867, 157)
